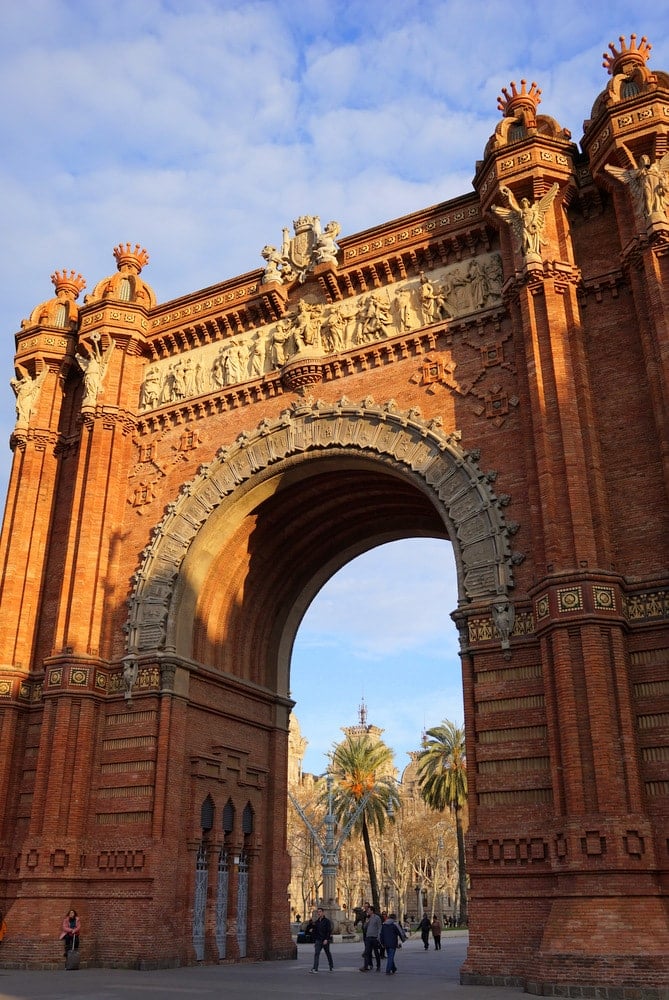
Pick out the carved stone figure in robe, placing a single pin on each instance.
(649, 184)
(150, 392)
(333, 331)
(527, 220)
(428, 299)
(94, 365)
(375, 320)
(219, 369)
(478, 285)
(306, 326)
(26, 390)
(256, 357)
(403, 308)
(281, 335)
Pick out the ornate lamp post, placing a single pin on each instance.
(327, 846)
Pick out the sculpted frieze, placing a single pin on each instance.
(322, 330)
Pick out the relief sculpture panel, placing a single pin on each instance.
(322, 329)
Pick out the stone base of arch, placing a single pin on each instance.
(568, 945)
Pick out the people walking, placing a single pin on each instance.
(392, 936)
(425, 927)
(372, 931)
(321, 931)
(436, 932)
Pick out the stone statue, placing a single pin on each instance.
(149, 394)
(306, 325)
(256, 357)
(375, 319)
(26, 390)
(94, 365)
(280, 337)
(503, 616)
(428, 299)
(299, 253)
(527, 220)
(649, 184)
(273, 261)
(326, 248)
(130, 674)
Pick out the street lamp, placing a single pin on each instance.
(327, 846)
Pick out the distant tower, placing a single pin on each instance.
(362, 727)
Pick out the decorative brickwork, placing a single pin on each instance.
(186, 475)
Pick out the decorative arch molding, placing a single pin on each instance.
(472, 513)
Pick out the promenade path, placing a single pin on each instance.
(422, 975)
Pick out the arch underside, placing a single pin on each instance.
(247, 545)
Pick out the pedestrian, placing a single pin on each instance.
(70, 931)
(3, 927)
(425, 927)
(321, 931)
(382, 950)
(372, 931)
(436, 932)
(392, 936)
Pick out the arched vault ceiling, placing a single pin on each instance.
(286, 548)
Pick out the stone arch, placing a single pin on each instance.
(380, 435)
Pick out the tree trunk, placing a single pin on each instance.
(462, 872)
(373, 881)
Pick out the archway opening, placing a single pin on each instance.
(379, 631)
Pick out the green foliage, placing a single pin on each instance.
(363, 766)
(442, 771)
(442, 776)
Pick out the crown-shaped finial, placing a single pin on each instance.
(71, 283)
(510, 103)
(129, 259)
(616, 58)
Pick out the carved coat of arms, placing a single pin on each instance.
(310, 245)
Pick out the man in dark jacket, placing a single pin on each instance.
(321, 931)
(391, 936)
(425, 927)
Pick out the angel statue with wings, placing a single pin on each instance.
(527, 220)
(94, 365)
(649, 184)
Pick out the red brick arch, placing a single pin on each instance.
(163, 652)
(338, 440)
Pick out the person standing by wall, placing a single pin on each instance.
(70, 931)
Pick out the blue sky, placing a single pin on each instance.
(200, 129)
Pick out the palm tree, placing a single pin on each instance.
(361, 770)
(442, 775)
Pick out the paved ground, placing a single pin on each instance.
(431, 975)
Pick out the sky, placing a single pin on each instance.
(199, 129)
